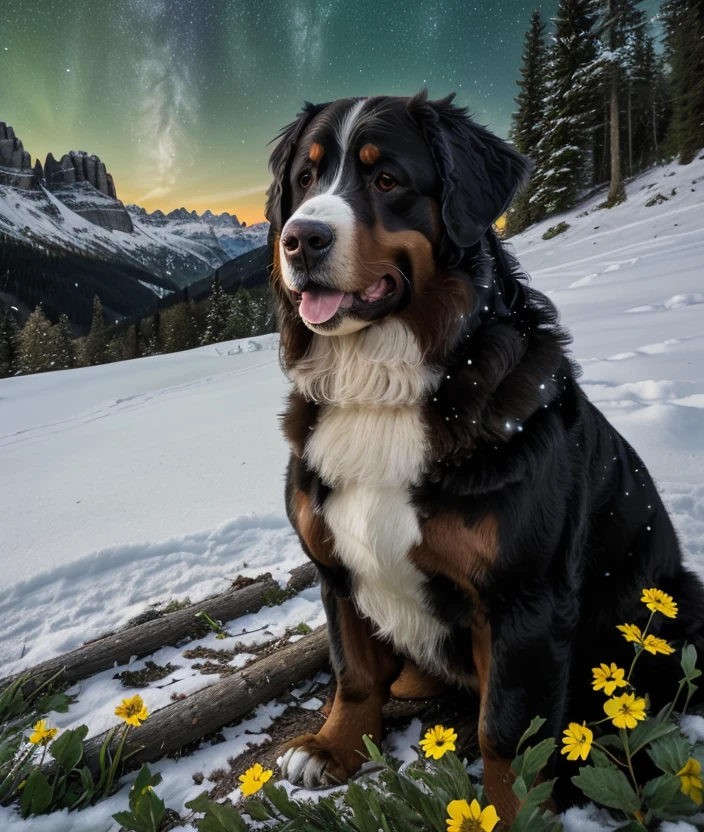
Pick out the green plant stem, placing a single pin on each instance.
(638, 653)
(674, 701)
(115, 762)
(609, 754)
(627, 750)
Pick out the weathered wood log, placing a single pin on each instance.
(207, 710)
(168, 629)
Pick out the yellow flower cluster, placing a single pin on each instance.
(437, 741)
(691, 780)
(42, 734)
(470, 817)
(133, 711)
(627, 710)
(254, 779)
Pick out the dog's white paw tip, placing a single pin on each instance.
(302, 768)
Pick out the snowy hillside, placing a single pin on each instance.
(133, 483)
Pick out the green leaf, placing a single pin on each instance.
(219, 817)
(670, 753)
(533, 819)
(607, 786)
(256, 809)
(58, 702)
(681, 806)
(36, 795)
(67, 748)
(520, 789)
(540, 793)
(373, 750)
(535, 726)
(128, 820)
(534, 759)
(658, 793)
(648, 730)
(611, 741)
(280, 800)
(688, 662)
(600, 759)
(358, 799)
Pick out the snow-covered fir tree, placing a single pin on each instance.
(617, 28)
(528, 121)
(9, 330)
(684, 41)
(179, 330)
(38, 344)
(241, 323)
(570, 109)
(66, 354)
(94, 347)
(219, 309)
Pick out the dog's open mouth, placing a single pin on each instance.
(319, 304)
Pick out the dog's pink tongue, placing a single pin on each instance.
(319, 305)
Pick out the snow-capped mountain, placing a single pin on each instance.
(71, 205)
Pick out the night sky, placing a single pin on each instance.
(180, 97)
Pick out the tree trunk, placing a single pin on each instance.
(207, 710)
(169, 629)
(630, 135)
(616, 193)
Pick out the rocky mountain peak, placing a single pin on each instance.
(15, 161)
(77, 166)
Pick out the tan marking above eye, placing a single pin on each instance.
(369, 154)
(316, 152)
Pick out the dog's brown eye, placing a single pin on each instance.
(385, 183)
(305, 179)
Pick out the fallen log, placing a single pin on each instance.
(207, 710)
(166, 630)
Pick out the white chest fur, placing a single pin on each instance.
(370, 446)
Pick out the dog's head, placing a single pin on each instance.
(372, 197)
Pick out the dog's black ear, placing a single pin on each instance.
(480, 172)
(278, 197)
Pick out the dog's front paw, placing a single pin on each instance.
(311, 761)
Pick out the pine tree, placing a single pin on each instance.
(684, 41)
(529, 121)
(647, 108)
(241, 321)
(66, 353)
(218, 315)
(179, 328)
(618, 27)
(95, 345)
(9, 330)
(38, 344)
(570, 110)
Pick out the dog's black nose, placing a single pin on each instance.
(306, 242)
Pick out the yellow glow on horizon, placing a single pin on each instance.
(249, 209)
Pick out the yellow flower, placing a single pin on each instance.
(659, 601)
(691, 777)
(577, 741)
(437, 741)
(253, 779)
(133, 711)
(466, 817)
(608, 678)
(631, 633)
(42, 734)
(654, 645)
(625, 710)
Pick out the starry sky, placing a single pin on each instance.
(180, 97)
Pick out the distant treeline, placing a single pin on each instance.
(40, 346)
(599, 102)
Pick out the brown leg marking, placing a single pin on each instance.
(362, 690)
(497, 777)
(413, 683)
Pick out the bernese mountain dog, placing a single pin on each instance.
(473, 517)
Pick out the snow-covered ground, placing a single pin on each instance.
(134, 483)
